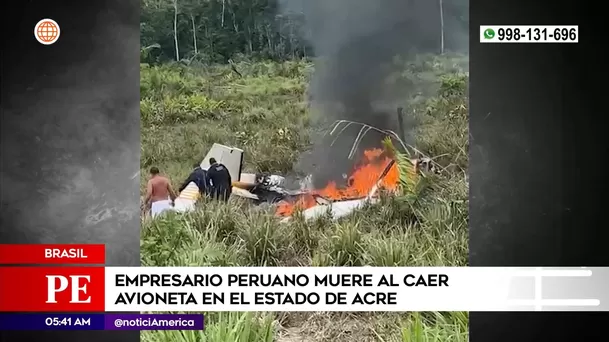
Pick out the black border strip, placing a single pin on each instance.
(537, 145)
(71, 135)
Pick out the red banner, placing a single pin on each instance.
(53, 254)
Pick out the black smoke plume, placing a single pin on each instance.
(354, 42)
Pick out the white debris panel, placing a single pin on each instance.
(336, 209)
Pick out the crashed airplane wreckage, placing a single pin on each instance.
(376, 171)
(363, 186)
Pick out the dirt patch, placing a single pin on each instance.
(293, 335)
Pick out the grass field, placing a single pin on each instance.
(184, 110)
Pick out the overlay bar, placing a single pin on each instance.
(154, 322)
(51, 322)
(33, 322)
(52, 254)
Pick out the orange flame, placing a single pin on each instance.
(363, 178)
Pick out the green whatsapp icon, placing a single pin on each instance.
(489, 34)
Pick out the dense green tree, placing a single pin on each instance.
(219, 30)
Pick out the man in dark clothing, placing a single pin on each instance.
(197, 176)
(219, 181)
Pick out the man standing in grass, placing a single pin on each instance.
(160, 196)
(197, 176)
(219, 180)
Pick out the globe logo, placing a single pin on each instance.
(46, 31)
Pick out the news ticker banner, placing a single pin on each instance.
(203, 289)
(34, 322)
(529, 34)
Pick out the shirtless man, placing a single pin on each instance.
(159, 193)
